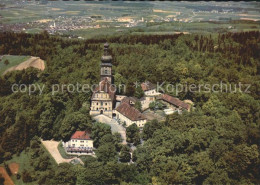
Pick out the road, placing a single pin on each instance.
(115, 127)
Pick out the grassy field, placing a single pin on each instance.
(13, 61)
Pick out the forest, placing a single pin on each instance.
(216, 143)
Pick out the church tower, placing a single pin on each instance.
(106, 66)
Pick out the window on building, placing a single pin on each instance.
(105, 103)
(82, 141)
(101, 103)
(106, 72)
(105, 108)
(97, 108)
(75, 140)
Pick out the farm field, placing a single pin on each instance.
(170, 28)
(91, 19)
(13, 60)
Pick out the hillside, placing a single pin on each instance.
(217, 143)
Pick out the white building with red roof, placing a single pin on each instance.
(80, 143)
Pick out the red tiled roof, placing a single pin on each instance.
(128, 99)
(105, 86)
(146, 86)
(174, 101)
(130, 112)
(81, 135)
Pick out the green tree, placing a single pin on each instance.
(92, 174)
(150, 128)
(137, 139)
(152, 105)
(132, 132)
(72, 122)
(6, 62)
(130, 90)
(26, 176)
(64, 174)
(138, 106)
(98, 131)
(139, 93)
(125, 155)
(106, 152)
(108, 138)
(219, 176)
(118, 141)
